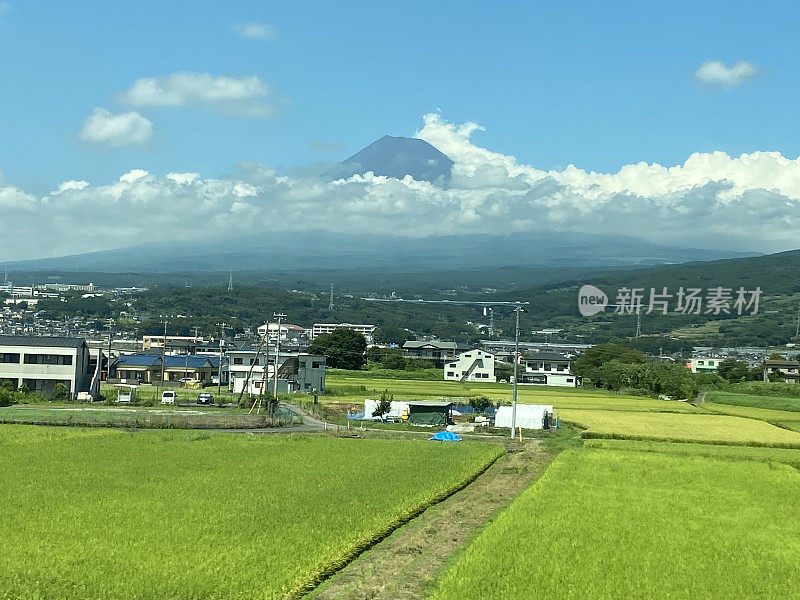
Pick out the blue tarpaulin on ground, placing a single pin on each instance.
(446, 436)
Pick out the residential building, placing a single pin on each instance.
(136, 368)
(146, 368)
(175, 343)
(475, 365)
(548, 368)
(703, 364)
(288, 331)
(433, 350)
(788, 370)
(39, 363)
(368, 331)
(297, 372)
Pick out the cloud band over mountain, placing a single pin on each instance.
(712, 200)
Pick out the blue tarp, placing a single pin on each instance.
(446, 436)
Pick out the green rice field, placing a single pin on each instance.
(607, 523)
(353, 389)
(708, 428)
(180, 514)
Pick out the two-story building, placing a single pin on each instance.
(703, 364)
(436, 351)
(39, 363)
(548, 368)
(787, 370)
(475, 365)
(297, 372)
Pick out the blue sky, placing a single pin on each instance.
(124, 124)
(598, 85)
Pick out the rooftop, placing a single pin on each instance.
(42, 341)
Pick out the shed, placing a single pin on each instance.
(433, 414)
(529, 416)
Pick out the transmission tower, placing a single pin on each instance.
(330, 304)
(230, 280)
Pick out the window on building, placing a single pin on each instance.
(548, 367)
(316, 365)
(9, 357)
(47, 359)
(570, 380)
(238, 360)
(451, 374)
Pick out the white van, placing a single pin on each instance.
(168, 397)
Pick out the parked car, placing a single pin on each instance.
(168, 397)
(205, 398)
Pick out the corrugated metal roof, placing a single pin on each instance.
(44, 341)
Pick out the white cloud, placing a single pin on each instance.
(748, 202)
(126, 129)
(255, 30)
(67, 186)
(182, 178)
(715, 72)
(243, 96)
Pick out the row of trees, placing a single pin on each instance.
(617, 367)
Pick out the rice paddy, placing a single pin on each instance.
(625, 524)
(707, 428)
(177, 514)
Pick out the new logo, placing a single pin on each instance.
(591, 300)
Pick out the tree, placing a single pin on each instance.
(394, 361)
(387, 334)
(384, 404)
(596, 356)
(343, 348)
(60, 391)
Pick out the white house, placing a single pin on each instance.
(475, 365)
(40, 363)
(703, 364)
(287, 332)
(298, 372)
(548, 368)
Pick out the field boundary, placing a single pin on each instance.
(315, 579)
(593, 435)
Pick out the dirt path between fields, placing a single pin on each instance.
(403, 565)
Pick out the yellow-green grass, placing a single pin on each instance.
(606, 524)
(784, 455)
(349, 389)
(185, 515)
(751, 412)
(14, 435)
(707, 428)
(770, 402)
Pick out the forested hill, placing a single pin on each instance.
(777, 275)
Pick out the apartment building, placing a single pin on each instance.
(39, 363)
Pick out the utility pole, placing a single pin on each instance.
(517, 310)
(797, 332)
(280, 317)
(109, 324)
(222, 327)
(163, 354)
